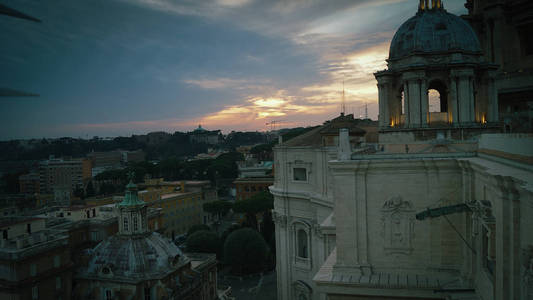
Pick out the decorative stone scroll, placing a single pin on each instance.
(316, 229)
(397, 217)
(279, 219)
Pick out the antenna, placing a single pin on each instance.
(366, 110)
(343, 101)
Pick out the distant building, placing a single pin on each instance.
(201, 135)
(181, 202)
(35, 262)
(253, 178)
(211, 154)
(133, 156)
(62, 172)
(245, 188)
(140, 264)
(504, 29)
(30, 183)
(108, 159)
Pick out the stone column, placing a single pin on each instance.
(464, 91)
(414, 103)
(424, 102)
(492, 98)
(453, 103)
(385, 100)
(406, 104)
(384, 114)
(472, 112)
(414, 99)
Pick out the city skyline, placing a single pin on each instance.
(120, 68)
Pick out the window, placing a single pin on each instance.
(35, 292)
(300, 174)
(135, 223)
(58, 283)
(147, 293)
(33, 269)
(94, 212)
(108, 295)
(525, 32)
(126, 224)
(57, 261)
(95, 236)
(28, 228)
(4, 234)
(302, 244)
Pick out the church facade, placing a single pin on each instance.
(440, 208)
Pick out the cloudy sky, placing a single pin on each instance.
(119, 67)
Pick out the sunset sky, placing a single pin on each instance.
(113, 67)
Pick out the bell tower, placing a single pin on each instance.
(132, 212)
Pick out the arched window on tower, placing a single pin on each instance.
(125, 224)
(437, 103)
(302, 244)
(135, 223)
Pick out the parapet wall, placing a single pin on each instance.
(515, 143)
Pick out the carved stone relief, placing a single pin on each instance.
(279, 219)
(397, 218)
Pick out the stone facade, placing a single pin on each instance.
(356, 220)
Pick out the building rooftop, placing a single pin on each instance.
(332, 127)
(26, 245)
(121, 258)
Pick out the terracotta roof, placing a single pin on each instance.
(332, 127)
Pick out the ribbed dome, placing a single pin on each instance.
(433, 31)
(138, 258)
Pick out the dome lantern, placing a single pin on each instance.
(132, 211)
(439, 52)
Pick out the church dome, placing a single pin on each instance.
(433, 31)
(138, 258)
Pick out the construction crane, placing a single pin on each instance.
(273, 124)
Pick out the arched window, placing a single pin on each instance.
(302, 244)
(135, 223)
(125, 224)
(437, 96)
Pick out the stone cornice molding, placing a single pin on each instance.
(313, 197)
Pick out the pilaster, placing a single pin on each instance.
(492, 97)
(415, 81)
(465, 95)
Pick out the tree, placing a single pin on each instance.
(220, 207)
(245, 250)
(203, 241)
(260, 202)
(78, 192)
(89, 192)
(196, 228)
